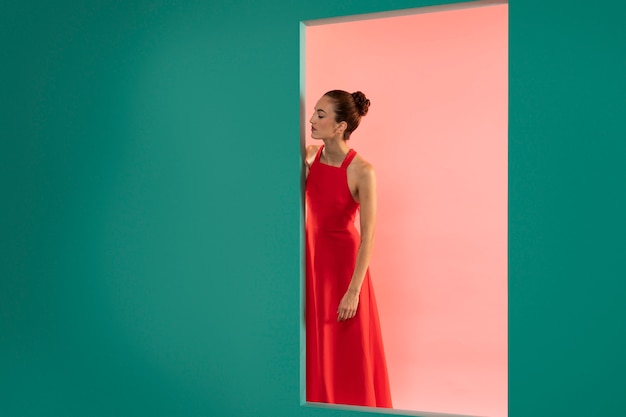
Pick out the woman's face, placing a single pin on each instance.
(323, 125)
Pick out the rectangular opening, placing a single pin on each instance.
(436, 133)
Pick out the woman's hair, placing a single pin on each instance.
(349, 108)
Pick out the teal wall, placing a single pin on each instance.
(149, 162)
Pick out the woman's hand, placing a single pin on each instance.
(348, 305)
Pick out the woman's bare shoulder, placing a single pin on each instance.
(362, 167)
(311, 151)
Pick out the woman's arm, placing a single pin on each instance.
(366, 186)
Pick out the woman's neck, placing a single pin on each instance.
(335, 148)
(334, 151)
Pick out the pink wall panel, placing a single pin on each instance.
(437, 136)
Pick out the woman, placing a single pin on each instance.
(345, 357)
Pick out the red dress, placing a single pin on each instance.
(345, 361)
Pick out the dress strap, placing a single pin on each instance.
(349, 157)
(318, 155)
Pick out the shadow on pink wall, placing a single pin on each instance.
(437, 136)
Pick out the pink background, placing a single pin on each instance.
(437, 136)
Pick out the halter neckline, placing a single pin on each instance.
(346, 160)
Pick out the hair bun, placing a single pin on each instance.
(362, 103)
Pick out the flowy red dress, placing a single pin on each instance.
(345, 361)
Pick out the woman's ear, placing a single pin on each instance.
(342, 126)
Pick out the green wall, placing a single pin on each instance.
(150, 223)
